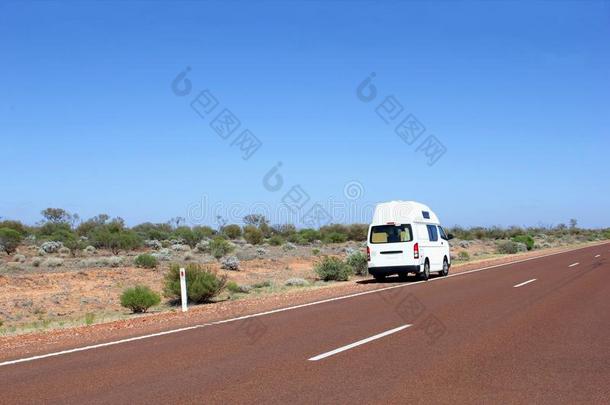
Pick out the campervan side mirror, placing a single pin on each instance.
(449, 236)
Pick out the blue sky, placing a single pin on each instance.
(517, 92)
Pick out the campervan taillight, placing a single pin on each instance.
(368, 253)
(416, 251)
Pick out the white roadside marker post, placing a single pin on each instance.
(183, 297)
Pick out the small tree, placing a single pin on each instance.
(139, 298)
(59, 215)
(9, 240)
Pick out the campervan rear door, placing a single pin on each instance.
(391, 245)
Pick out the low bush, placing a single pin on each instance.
(232, 231)
(298, 239)
(146, 261)
(139, 298)
(262, 284)
(51, 246)
(230, 263)
(219, 247)
(510, 247)
(276, 240)
(525, 239)
(9, 240)
(19, 258)
(202, 283)
(233, 287)
(103, 261)
(236, 288)
(358, 262)
(335, 237)
(261, 252)
(310, 235)
(288, 247)
(296, 282)
(357, 232)
(464, 255)
(333, 268)
(113, 238)
(15, 225)
(253, 235)
(53, 262)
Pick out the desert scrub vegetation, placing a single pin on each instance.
(61, 232)
(333, 268)
(253, 235)
(527, 240)
(219, 247)
(102, 261)
(232, 231)
(358, 262)
(230, 263)
(464, 256)
(9, 240)
(202, 283)
(139, 298)
(510, 247)
(146, 261)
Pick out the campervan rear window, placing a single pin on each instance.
(391, 233)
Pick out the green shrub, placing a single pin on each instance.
(114, 238)
(276, 240)
(358, 261)
(14, 225)
(464, 255)
(152, 231)
(262, 284)
(219, 247)
(146, 261)
(232, 231)
(89, 318)
(186, 234)
(202, 283)
(298, 239)
(315, 251)
(9, 240)
(236, 288)
(333, 268)
(310, 235)
(526, 239)
(139, 298)
(253, 235)
(232, 286)
(203, 232)
(335, 237)
(60, 232)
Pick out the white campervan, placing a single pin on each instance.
(407, 237)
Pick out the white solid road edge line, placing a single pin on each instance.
(273, 311)
(358, 343)
(524, 283)
(574, 264)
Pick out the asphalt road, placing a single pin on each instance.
(531, 332)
